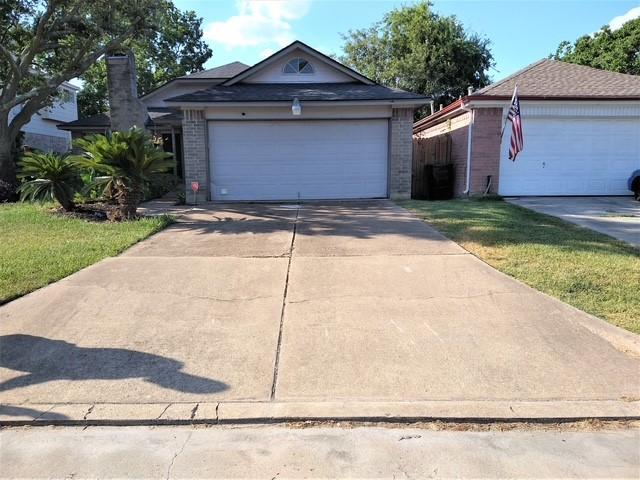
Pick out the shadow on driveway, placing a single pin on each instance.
(48, 360)
(14, 411)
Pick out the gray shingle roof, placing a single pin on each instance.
(157, 115)
(223, 71)
(552, 78)
(277, 92)
(96, 121)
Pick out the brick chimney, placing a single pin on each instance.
(125, 108)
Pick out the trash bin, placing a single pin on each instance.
(440, 181)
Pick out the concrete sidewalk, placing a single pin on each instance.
(618, 217)
(336, 310)
(279, 452)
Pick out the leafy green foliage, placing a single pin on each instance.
(44, 43)
(127, 163)
(617, 50)
(175, 48)
(415, 49)
(37, 248)
(47, 177)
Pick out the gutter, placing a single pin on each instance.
(397, 103)
(472, 112)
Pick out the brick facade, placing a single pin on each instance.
(400, 153)
(195, 153)
(196, 156)
(485, 148)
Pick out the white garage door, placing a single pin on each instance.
(589, 156)
(290, 160)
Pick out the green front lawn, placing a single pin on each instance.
(38, 247)
(590, 271)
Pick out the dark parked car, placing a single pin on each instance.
(634, 184)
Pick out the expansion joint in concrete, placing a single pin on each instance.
(284, 304)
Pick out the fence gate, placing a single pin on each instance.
(428, 151)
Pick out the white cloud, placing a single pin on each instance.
(258, 23)
(267, 52)
(617, 22)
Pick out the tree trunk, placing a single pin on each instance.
(128, 202)
(67, 204)
(7, 165)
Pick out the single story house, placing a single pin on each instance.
(581, 131)
(297, 125)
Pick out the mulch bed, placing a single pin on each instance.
(91, 212)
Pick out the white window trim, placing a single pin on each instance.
(309, 64)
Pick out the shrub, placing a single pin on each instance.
(48, 176)
(127, 163)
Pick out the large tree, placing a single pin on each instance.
(615, 50)
(175, 48)
(44, 43)
(416, 49)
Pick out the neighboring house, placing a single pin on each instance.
(581, 132)
(41, 132)
(297, 125)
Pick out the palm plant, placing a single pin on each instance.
(126, 162)
(48, 176)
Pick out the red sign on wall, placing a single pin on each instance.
(195, 186)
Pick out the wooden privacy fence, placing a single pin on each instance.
(428, 151)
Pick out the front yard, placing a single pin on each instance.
(38, 248)
(582, 268)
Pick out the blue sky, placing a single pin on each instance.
(521, 32)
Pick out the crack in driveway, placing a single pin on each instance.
(284, 304)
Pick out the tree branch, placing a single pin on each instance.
(29, 52)
(25, 113)
(79, 65)
(12, 61)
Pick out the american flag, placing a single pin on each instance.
(517, 140)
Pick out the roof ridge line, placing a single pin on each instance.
(593, 68)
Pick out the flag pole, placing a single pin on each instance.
(515, 91)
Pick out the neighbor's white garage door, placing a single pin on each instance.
(572, 156)
(285, 160)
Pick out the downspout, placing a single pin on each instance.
(469, 143)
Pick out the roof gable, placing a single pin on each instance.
(553, 78)
(344, 73)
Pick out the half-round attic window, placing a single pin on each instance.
(298, 65)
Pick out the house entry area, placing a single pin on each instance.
(298, 159)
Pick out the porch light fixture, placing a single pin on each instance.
(296, 108)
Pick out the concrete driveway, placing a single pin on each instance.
(618, 217)
(319, 311)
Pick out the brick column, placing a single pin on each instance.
(485, 149)
(400, 153)
(195, 153)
